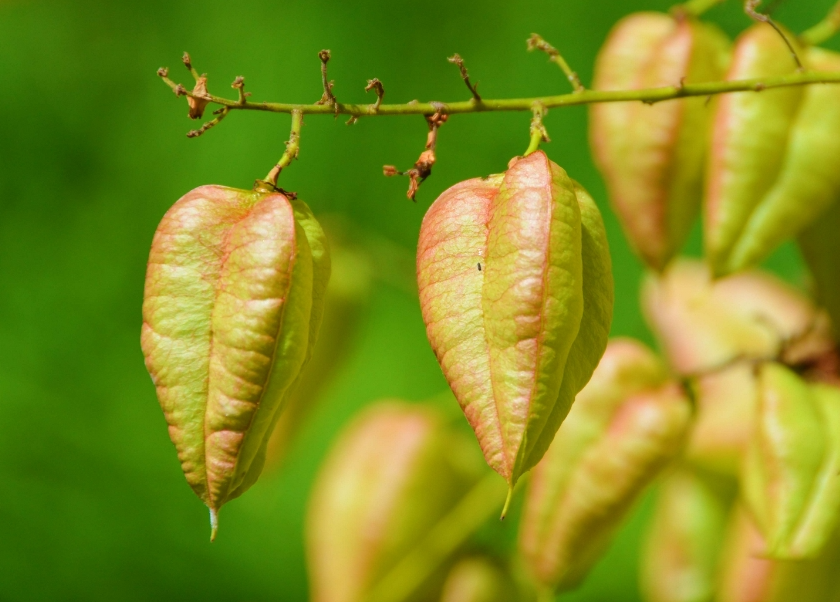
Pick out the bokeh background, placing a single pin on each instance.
(93, 505)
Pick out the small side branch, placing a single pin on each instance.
(823, 30)
(220, 114)
(536, 42)
(188, 64)
(327, 98)
(292, 150)
(375, 84)
(456, 59)
(750, 7)
(423, 166)
(239, 84)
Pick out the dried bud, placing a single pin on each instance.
(199, 102)
(625, 425)
(790, 470)
(390, 476)
(773, 166)
(477, 580)
(680, 558)
(233, 302)
(520, 337)
(652, 156)
(704, 325)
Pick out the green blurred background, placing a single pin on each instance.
(93, 505)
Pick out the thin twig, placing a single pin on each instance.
(536, 42)
(750, 7)
(423, 166)
(375, 84)
(649, 95)
(292, 149)
(456, 59)
(188, 64)
(327, 98)
(823, 30)
(221, 114)
(239, 84)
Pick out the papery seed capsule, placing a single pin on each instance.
(625, 425)
(651, 156)
(725, 410)
(681, 553)
(790, 474)
(773, 166)
(704, 326)
(477, 580)
(233, 302)
(391, 475)
(520, 337)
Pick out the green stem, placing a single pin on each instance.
(823, 30)
(536, 42)
(538, 135)
(292, 149)
(649, 96)
(474, 509)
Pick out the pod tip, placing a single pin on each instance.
(507, 502)
(214, 524)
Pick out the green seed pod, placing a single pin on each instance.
(790, 471)
(233, 302)
(748, 576)
(391, 475)
(703, 326)
(516, 292)
(626, 424)
(681, 553)
(773, 166)
(651, 156)
(725, 408)
(477, 580)
(346, 296)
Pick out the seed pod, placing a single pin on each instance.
(747, 576)
(725, 407)
(651, 156)
(626, 424)
(390, 476)
(346, 296)
(516, 292)
(680, 558)
(790, 470)
(773, 166)
(477, 580)
(234, 297)
(703, 325)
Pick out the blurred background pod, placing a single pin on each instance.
(651, 156)
(725, 405)
(772, 169)
(787, 450)
(390, 476)
(625, 425)
(704, 325)
(681, 554)
(347, 295)
(478, 579)
(749, 576)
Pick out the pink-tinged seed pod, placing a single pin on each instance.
(749, 576)
(651, 156)
(516, 292)
(478, 579)
(681, 553)
(233, 303)
(790, 473)
(390, 476)
(774, 155)
(704, 325)
(625, 425)
(725, 408)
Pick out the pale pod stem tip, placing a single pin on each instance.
(214, 524)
